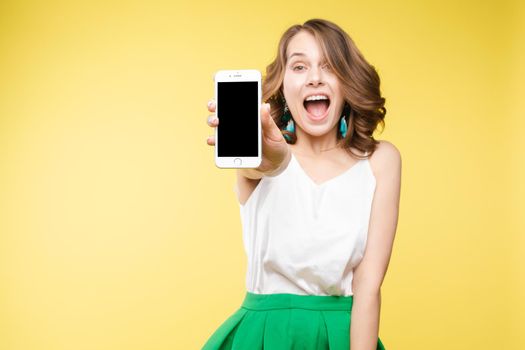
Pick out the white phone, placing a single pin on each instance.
(238, 104)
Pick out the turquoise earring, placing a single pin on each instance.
(343, 128)
(287, 118)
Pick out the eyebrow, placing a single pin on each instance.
(296, 54)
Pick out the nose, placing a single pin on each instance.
(315, 76)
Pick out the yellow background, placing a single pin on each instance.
(117, 231)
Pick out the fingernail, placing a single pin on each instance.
(210, 103)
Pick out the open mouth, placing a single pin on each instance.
(317, 106)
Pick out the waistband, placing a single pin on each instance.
(254, 301)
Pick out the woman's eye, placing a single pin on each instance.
(302, 68)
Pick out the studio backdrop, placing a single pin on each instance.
(117, 231)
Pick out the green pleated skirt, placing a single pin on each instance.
(286, 322)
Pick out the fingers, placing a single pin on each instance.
(212, 121)
(211, 105)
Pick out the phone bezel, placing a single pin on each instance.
(239, 75)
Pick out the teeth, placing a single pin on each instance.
(316, 98)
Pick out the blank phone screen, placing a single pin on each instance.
(237, 110)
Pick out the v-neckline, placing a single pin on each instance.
(330, 180)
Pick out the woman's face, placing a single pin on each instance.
(308, 74)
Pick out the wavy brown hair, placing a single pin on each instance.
(358, 79)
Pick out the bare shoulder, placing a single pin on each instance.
(386, 159)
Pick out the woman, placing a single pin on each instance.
(320, 213)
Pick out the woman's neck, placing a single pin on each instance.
(316, 145)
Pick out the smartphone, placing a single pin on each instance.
(238, 104)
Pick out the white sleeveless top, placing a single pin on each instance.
(304, 238)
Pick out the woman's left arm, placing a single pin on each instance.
(369, 274)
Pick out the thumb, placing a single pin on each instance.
(270, 129)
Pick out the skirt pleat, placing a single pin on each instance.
(250, 332)
(285, 322)
(338, 328)
(276, 329)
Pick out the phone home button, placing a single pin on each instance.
(237, 161)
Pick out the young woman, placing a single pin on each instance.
(320, 213)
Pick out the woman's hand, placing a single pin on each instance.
(275, 150)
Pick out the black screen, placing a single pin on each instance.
(237, 110)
